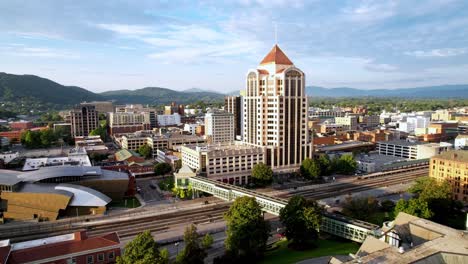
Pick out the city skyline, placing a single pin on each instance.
(105, 46)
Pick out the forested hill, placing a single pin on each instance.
(16, 88)
(157, 95)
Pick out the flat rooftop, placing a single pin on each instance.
(454, 155)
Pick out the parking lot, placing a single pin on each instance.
(149, 194)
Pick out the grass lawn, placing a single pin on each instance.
(131, 203)
(285, 255)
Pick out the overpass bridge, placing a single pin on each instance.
(338, 225)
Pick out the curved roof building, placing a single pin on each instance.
(84, 196)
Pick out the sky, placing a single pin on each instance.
(109, 45)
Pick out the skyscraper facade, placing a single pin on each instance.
(275, 112)
(84, 119)
(233, 104)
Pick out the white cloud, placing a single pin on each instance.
(40, 52)
(380, 67)
(370, 10)
(446, 52)
(126, 29)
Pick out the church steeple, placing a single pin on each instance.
(276, 56)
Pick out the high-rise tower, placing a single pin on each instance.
(275, 111)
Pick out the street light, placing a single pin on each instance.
(177, 246)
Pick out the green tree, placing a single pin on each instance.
(145, 150)
(302, 219)
(428, 188)
(142, 250)
(262, 175)
(416, 207)
(47, 137)
(360, 207)
(99, 131)
(247, 231)
(207, 241)
(325, 165)
(310, 169)
(178, 164)
(162, 168)
(193, 252)
(345, 165)
(183, 193)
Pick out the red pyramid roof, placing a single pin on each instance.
(277, 56)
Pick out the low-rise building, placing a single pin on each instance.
(329, 128)
(169, 120)
(76, 248)
(92, 144)
(21, 125)
(373, 163)
(191, 128)
(452, 166)
(8, 156)
(227, 163)
(76, 156)
(369, 121)
(410, 239)
(461, 142)
(412, 150)
(348, 122)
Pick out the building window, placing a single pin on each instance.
(71, 261)
(90, 259)
(111, 255)
(100, 257)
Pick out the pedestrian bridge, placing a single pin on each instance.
(331, 223)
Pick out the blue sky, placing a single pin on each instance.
(108, 45)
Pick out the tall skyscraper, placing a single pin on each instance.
(233, 104)
(84, 119)
(275, 112)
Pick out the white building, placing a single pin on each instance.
(8, 156)
(192, 128)
(76, 156)
(169, 120)
(412, 150)
(414, 122)
(275, 112)
(227, 163)
(219, 127)
(461, 142)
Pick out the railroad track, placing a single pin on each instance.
(358, 185)
(132, 226)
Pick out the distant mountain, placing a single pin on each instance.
(157, 95)
(16, 87)
(441, 91)
(196, 90)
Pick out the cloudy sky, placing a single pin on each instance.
(107, 45)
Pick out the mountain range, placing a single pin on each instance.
(15, 87)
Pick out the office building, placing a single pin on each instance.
(275, 112)
(219, 127)
(348, 122)
(452, 166)
(128, 122)
(233, 104)
(83, 119)
(369, 121)
(191, 128)
(74, 248)
(227, 163)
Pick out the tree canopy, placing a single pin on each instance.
(99, 131)
(432, 200)
(360, 207)
(302, 219)
(142, 250)
(247, 231)
(145, 151)
(310, 169)
(193, 252)
(162, 168)
(262, 175)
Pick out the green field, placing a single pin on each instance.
(285, 255)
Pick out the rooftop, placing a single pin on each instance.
(276, 56)
(454, 155)
(59, 246)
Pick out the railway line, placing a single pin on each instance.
(358, 185)
(127, 227)
(131, 226)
